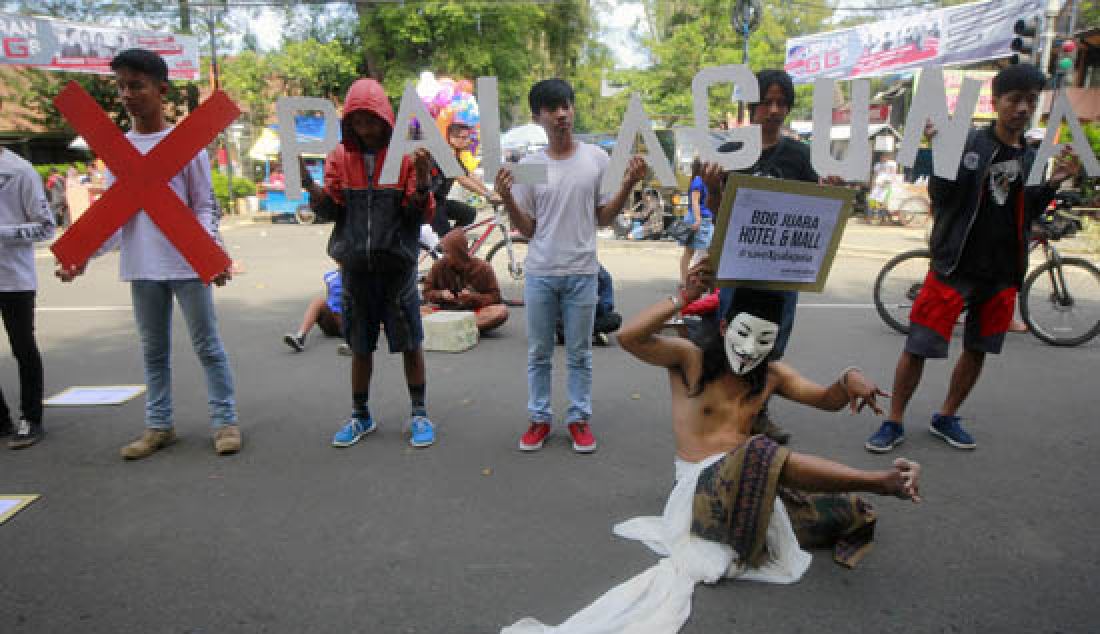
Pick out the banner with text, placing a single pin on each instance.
(955, 35)
(88, 48)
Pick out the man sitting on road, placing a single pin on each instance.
(460, 281)
(324, 312)
(740, 506)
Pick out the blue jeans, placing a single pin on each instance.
(152, 301)
(571, 298)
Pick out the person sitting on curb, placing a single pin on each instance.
(324, 312)
(460, 281)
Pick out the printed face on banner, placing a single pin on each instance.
(748, 341)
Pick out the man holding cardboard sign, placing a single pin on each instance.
(979, 247)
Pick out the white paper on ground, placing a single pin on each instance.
(12, 504)
(89, 395)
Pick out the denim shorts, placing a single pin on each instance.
(700, 240)
(989, 307)
(376, 300)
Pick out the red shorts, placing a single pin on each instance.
(941, 300)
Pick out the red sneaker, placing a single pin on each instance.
(535, 437)
(583, 440)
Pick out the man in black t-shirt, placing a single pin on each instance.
(458, 137)
(979, 256)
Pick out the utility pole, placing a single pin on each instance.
(1050, 25)
(745, 18)
(215, 85)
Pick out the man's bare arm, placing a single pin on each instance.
(639, 337)
(635, 172)
(851, 389)
(818, 475)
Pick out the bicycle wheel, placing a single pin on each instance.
(1062, 310)
(897, 287)
(509, 269)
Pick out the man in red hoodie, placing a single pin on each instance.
(375, 240)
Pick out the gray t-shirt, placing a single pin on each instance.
(564, 210)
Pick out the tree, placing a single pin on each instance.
(686, 36)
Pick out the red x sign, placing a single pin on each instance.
(142, 181)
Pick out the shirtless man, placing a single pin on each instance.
(718, 389)
(739, 507)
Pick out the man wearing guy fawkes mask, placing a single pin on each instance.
(742, 506)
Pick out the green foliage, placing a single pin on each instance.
(44, 169)
(688, 36)
(241, 187)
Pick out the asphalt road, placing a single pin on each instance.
(292, 535)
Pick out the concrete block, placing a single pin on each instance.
(450, 331)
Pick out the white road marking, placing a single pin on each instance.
(83, 309)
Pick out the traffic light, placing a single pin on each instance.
(1066, 51)
(1025, 44)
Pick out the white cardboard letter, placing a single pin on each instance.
(636, 122)
(930, 104)
(1061, 111)
(401, 144)
(856, 166)
(289, 146)
(488, 100)
(740, 76)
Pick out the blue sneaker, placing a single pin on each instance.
(887, 437)
(355, 429)
(949, 429)
(421, 432)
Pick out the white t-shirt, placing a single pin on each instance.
(25, 218)
(564, 210)
(145, 253)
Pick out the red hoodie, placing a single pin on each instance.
(344, 168)
(377, 228)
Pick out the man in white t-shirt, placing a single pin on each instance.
(560, 218)
(25, 218)
(157, 271)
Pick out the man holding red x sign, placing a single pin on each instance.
(157, 270)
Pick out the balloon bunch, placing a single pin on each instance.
(450, 101)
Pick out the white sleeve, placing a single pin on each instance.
(38, 222)
(200, 194)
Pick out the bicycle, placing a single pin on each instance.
(507, 256)
(1059, 299)
(649, 211)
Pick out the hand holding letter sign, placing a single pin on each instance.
(142, 183)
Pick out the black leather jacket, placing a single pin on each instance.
(955, 203)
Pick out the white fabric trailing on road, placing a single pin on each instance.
(658, 601)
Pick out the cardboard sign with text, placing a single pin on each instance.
(778, 234)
